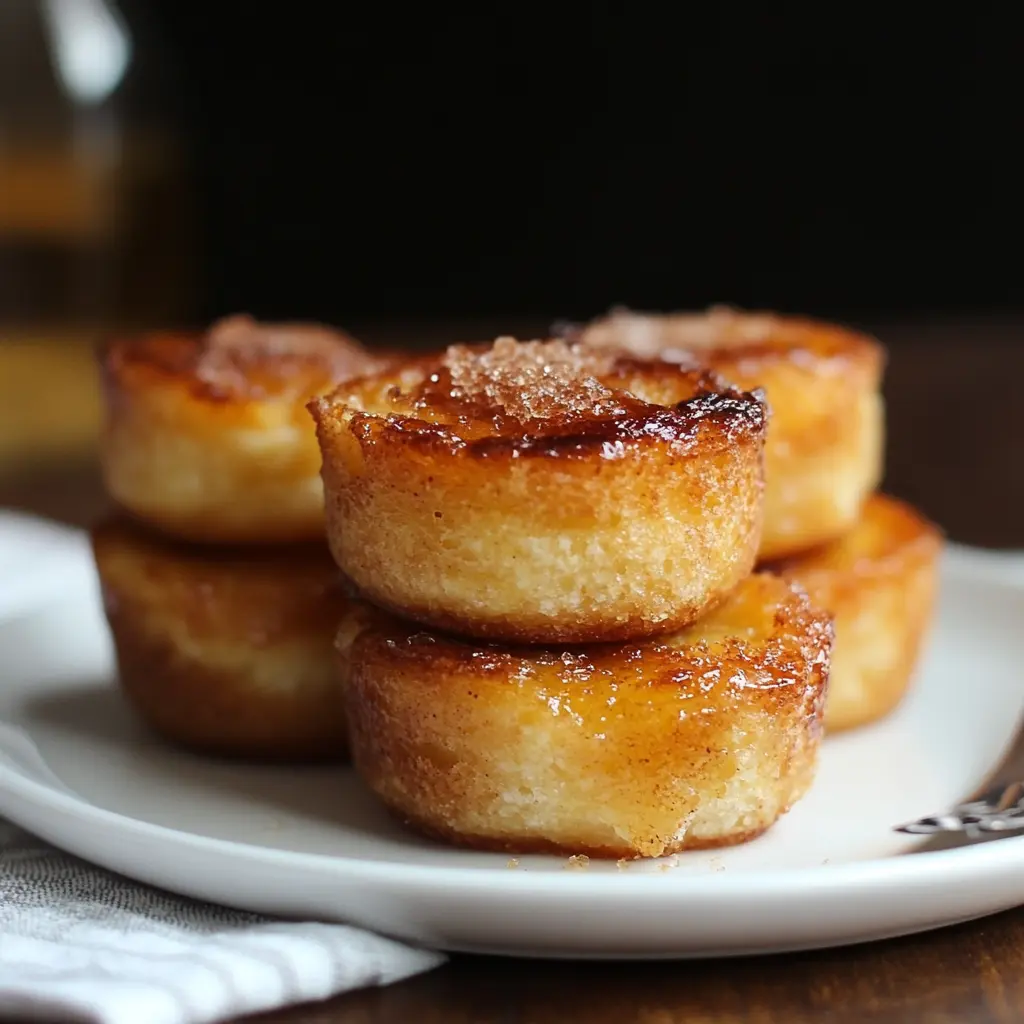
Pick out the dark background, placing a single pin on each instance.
(355, 161)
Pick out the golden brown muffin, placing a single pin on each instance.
(519, 492)
(879, 581)
(207, 437)
(824, 451)
(226, 651)
(696, 740)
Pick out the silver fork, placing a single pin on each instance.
(994, 811)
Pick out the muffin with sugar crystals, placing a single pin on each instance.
(824, 453)
(207, 438)
(523, 491)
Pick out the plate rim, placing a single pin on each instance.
(894, 869)
(901, 868)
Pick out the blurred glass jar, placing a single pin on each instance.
(94, 206)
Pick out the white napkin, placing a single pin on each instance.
(78, 943)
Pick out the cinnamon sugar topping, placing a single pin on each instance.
(531, 380)
(657, 336)
(236, 346)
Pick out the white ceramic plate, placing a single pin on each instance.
(76, 769)
(37, 562)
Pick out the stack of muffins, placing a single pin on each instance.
(220, 592)
(564, 648)
(869, 559)
(595, 587)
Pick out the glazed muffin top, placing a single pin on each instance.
(537, 397)
(238, 359)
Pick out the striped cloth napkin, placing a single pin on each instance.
(78, 943)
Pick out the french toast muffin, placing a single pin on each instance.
(207, 438)
(521, 491)
(226, 651)
(879, 581)
(698, 739)
(824, 453)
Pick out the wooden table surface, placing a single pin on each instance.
(956, 441)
